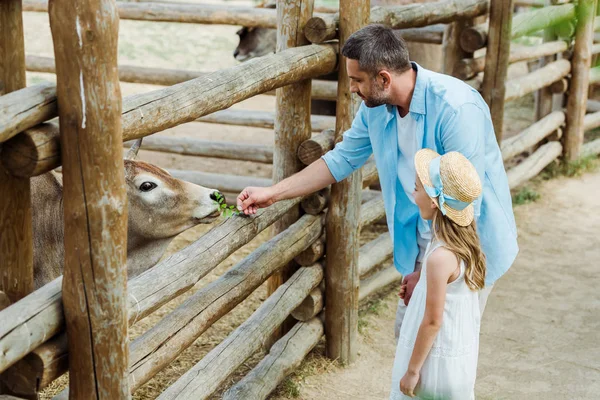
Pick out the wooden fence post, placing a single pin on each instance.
(292, 123)
(341, 274)
(85, 34)
(544, 96)
(580, 72)
(496, 61)
(451, 49)
(16, 246)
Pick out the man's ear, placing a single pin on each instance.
(386, 78)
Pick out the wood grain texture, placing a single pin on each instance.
(533, 164)
(536, 80)
(374, 253)
(532, 135)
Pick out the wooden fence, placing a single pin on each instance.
(305, 292)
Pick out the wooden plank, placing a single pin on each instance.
(16, 243)
(433, 34)
(537, 79)
(262, 119)
(591, 121)
(590, 149)
(341, 274)
(95, 277)
(496, 62)
(284, 357)
(533, 164)
(378, 281)
(532, 135)
(375, 253)
(206, 376)
(151, 112)
(580, 75)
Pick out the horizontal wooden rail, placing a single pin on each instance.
(532, 135)
(371, 211)
(594, 75)
(537, 79)
(39, 315)
(262, 119)
(378, 281)
(221, 182)
(155, 111)
(373, 254)
(534, 164)
(591, 121)
(590, 149)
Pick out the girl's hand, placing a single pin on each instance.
(402, 291)
(408, 383)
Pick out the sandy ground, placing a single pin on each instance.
(540, 329)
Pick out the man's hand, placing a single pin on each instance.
(409, 282)
(253, 198)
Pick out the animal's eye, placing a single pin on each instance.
(147, 186)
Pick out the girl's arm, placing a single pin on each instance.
(442, 264)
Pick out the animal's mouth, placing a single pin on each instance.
(208, 218)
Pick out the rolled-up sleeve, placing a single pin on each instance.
(353, 151)
(465, 132)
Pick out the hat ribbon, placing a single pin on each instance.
(438, 189)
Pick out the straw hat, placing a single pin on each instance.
(460, 184)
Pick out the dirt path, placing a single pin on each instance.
(540, 332)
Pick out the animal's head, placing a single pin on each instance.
(255, 42)
(161, 206)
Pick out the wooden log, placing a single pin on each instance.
(590, 149)
(580, 76)
(321, 90)
(378, 281)
(95, 277)
(529, 3)
(206, 376)
(533, 164)
(310, 307)
(595, 49)
(313, 253)
(312, 149)
(544, 96)
(316, 202)
(433, 34)
(283, 358)
(532, 135)
(375, 253)
(591, 121)
(38, 369)
(40, 315)
(468, 68)
(594, 75)
(496, 62)
(150, 112)
(523, 24)
(16, 236)
(322, 28)
(33, 152)
(221, 182)
(4, 301)
(205, 148)
(262, 119)
(341, 273)
(22, 109)
(451, 49)
(592, 105)
(160, 345)
(370, 175)
(559, 87)
(537, 79)
(371, 211)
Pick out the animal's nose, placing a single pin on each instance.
(216, 195)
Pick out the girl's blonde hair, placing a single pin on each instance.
(463, 241)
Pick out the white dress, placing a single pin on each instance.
(451, 366)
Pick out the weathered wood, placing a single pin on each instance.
(322, 28)
(370, 176)
(313, 253)
(262, 119)
(373, 254)
(590, 149)
(283, 358)
(433, 34)
(156, 348)
(592, 105)
(316, 202)
(525, 23)
(578, 93)
(206, 376)
(221, 182)
(537, 79)
(451, 49)
(544, 96)
(4, 301)
(371, 211)
(310, 307)
(594, 77)
(23, 109)
(559, 87)
(532, 135)
(39, 368)
(150, 112)
(341, 274)
(378, 281)
(16, 243)
(205, 148)
(95, 276)
(467, 68)
(533, 164)
(312, 149)
(496, 62)
(591, 121)
(33, 152)
(321, 90)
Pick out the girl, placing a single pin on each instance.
(436, 356)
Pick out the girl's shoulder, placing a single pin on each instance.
(442, 262)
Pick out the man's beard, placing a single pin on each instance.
(377, 97)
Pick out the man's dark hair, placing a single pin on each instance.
(377, 47)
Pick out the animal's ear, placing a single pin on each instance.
(133, 150)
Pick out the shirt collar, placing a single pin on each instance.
(417, 103)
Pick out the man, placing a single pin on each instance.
(406, 108)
